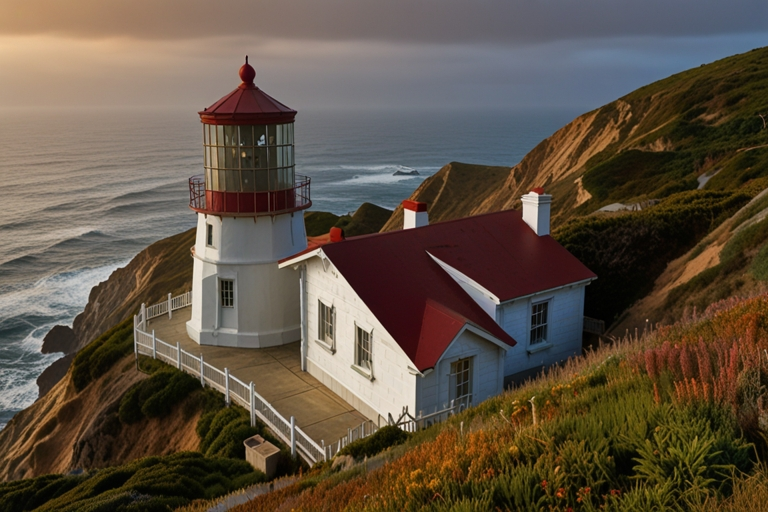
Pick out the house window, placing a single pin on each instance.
(227, 293)
(539, 316)
(326, 316)
(209, 235)
(461, 382)
(363, 349)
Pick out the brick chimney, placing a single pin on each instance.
(414, 214)
(536, 210)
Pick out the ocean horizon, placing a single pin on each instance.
(87, 189)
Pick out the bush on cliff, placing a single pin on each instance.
(628, 252)
(97, 357)
(150, 484)
(156, 396)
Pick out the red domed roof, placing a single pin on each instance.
(247, 105)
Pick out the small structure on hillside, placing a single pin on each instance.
(440, 313)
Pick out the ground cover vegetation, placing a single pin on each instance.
(704, 120)
(674, 420)
(629, 251)
(153, 483)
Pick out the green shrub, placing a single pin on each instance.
(153, 483)
(97, 357)
(745, 240)
(759, 266)
(375, 443)
(156, 396)
(628, 252)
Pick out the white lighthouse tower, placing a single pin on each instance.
(249, 215)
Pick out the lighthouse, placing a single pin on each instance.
(249, 204)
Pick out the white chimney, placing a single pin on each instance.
(536, 210)
(414, 214)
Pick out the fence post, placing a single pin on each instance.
(293, 437)
(154, 345)
(202, 377)
(143, 317)
(170, 306)
(226, 385)
(253, 406)
(135, 342)
(178, 355)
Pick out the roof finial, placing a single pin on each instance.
(247, 73)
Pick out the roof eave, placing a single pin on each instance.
(584, 282)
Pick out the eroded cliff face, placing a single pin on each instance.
(162, 268)
(64, 430)
(557, 164)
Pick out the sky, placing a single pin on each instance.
(361, 54)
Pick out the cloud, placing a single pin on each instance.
(505, 22)
(585, 73)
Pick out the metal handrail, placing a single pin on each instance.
(257, 203)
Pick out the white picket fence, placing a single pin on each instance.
(146, 343)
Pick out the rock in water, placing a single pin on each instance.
(413, 172)
(59, 339)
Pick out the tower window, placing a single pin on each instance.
(209, 235)
(227, 293)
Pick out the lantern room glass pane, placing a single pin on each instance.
(248, 181)
(230, 135)
(246, 136)
(262, 182)
(219, 135)
(260, 135)
(246, 158)
(260, 158)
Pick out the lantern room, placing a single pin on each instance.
(248, 156)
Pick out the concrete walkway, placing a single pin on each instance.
(276, 375)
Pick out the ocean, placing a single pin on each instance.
(84, 190)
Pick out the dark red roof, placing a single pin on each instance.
(247, 105)
(504, 256)
(420, 305)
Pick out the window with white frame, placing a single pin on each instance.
(363, 354)
(326, 319)
(227, 293)
(209, 235)
(461, 382)
(539, 319)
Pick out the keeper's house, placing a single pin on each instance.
(434, 313)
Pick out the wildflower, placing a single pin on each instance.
(543, 484)
(560, 493)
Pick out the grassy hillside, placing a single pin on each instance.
(675, 420)
(649, 144)
(150, 483)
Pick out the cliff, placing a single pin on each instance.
(163, 267)
(667, 137)
(65, 429)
